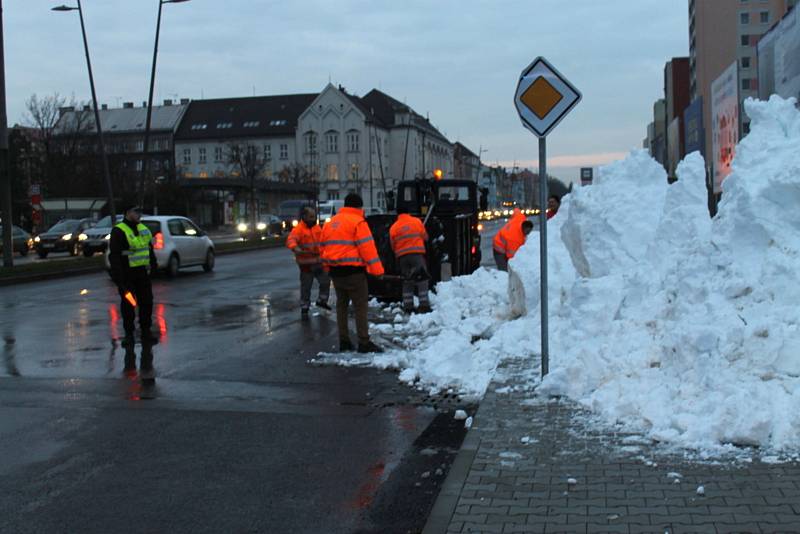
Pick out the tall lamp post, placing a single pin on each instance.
(5, 176)
(145, 158)
(104, 157)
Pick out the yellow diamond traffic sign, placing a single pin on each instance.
(544, 97)
(541, 97)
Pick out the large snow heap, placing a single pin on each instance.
(662, 319)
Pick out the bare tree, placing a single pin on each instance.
(246, 159)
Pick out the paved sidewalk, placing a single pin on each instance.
(534, 465)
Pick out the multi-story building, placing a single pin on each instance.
(367, 144)
(779, 58)
(466, 164)
(676, 97)
(658, 148)
(722, 32)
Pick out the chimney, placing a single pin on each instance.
(167, 102)
(184, 100)
(127, 105)
(103, 106)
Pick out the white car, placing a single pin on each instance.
(178, 243)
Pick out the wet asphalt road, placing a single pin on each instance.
(240, 432)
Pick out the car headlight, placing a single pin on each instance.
(83, 237)
(261, 226)
(480, 227)
(242, 227)
(37, 239)
(30, 243)
(66, 237)
(294, 223)
(107, 237)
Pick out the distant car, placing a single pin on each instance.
(95, 239)
(20, 240)
(328, 209)
(64, 236)
(267, 225)
(178, 243)
(289, 212)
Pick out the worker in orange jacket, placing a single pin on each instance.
(303, 241)
(348, 251)
(510, 238)
(408, 237)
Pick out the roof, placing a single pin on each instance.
(258, 116)
(124, 120)
(385, 107)
(464, 150)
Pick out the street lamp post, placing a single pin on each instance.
(145, 158)
(104, 157)
(5, 175)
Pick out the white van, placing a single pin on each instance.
(328, 209)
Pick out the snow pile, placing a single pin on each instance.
(675, 325)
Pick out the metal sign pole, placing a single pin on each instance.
(543, 250)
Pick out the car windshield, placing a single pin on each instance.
(65, 227)
(290, 208)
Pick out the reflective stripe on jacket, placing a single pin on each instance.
(304, 241)
(408, 235)
(510, 237)
(138, 252)
(347, 241)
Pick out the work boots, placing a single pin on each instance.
(369, 346)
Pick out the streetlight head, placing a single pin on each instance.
(173, 1)
(62, 7)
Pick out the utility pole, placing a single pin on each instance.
(8, 252)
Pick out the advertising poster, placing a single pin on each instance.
(724, 123)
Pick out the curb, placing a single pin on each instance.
(447, 500)
(54, 275)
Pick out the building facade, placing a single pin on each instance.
(677, 97)
(466, 164)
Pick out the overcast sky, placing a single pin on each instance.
(459, 61)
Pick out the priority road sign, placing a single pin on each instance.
(544, 97)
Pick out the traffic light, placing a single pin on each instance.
(437, 173)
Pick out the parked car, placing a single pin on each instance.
(267, 225)
(95, 239)
(178, 243)
(20, 240)
(64, 236)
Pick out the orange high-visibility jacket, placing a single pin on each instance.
(408, 235)
(510, 237)
(347, 241)
(304, 242)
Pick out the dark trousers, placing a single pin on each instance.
(143, 292)
(307, 276)
(415, 278)
(353, 288)
(501, 261)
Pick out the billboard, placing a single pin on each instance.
(694, 134)
(724, 123)
(779, 58)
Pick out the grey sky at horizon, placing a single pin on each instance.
(457, 61)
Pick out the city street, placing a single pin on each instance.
(240, 433)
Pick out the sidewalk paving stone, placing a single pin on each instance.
(541, 465)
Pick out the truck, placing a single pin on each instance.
(450, 210)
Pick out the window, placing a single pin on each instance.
(745, 40)
(284, 151)
(352, 142)
(744, 18)
(332, 142)
(354, 171)
(201, 155)
(251, 153)
(333, 195)
(281, 122)
(218, 155)
(311, 143)
(764, 17)
(267, 153)
(746, 84)
(157, 165)
(187, 156)
(199, 126)
(190, 229)
(745, 62)
(252, 124)
(139, 165)
(175, 227)
(224, 125)
(333, 172)
(140, 146)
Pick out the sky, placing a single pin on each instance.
(456, 61)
